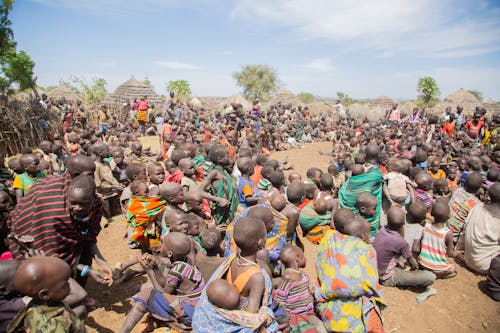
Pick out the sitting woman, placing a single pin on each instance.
(252, 283)
(348, 292)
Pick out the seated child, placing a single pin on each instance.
(441, 189)
(357, 169)
(253, 285)
(452, 177)
(366, 204)
(46, 280)
(248, 193)
(293, 291)
(423, 191)
(264, 183)
(315, 220)
(435, 171)
(437, 243)
(181, 284)
(208, 262)
(156, 175)
(391, 246)
(417, 213)
(277, 180)
(142, 213)
(134, 172)
(397, 187)
(118, 165)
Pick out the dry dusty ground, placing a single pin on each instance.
(459, 306)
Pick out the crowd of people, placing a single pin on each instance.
(220, 226)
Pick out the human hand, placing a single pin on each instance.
(147, 261)
(118, 187)
(34, 253)
(224, 202)
(101, 276)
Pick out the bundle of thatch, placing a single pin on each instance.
(285, 97)
(63, 92)
(237, 99)
(131, 89)
(459, 98)
(195, 102)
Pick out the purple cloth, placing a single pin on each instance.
(9, 309)
(389, 245)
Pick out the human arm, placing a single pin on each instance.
(104, 268)
(150, 265)
(222, 202)
(385, 190)
(450, 248)
(256, 286)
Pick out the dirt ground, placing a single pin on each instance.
(459, 306)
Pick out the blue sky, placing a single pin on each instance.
(361, 47)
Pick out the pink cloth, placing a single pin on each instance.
(6, 256)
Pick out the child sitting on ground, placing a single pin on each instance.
(293, 290)
(391, 246)
(417, 213)
(156, 175)
(423, 191)
(211, 241)
(46, 280)
(441, 189)
(264, 184)
(366, 205)
(248, 193)
(437, 243)
(181, 284)
(397, 186)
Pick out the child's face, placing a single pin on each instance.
(141, 175)
(142, 190)
(434, 167)
(4, 202)
(370, 210)
(157, 175)
(32, 166)
(80, 203)
(188, 169)
(118, 157)
(452, 173)
(179, 224)
(301, 259)
(194, 227)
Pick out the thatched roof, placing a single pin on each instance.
(459, 98)
(131, 89)
(462, 97)
(320, 107)
(285, 97)
(406, 107)
(238, 99)
(492, 106)
(63, 92)
(371, 111)
(383, 101)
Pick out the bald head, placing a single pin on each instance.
(176, 245)
(264, 214)
(396, 218)
(38, 276)
(170, 191)
(80, 165)
(371, 152)
(358, 227)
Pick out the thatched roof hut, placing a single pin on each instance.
(371, 111)
(492, 106)
(195, 102)
(63, 92)
(459, 98)
(237, 99)
(320, 107)
(131, 89)
(406, 108)
(285, 97)
(383, 102)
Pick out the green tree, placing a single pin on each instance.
(257, 81)
(181, 88)
(477, 93)
(92, 93)
(428, 92)
(306, 97)
(147, 82)
(16, 67)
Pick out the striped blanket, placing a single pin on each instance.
(371, 182)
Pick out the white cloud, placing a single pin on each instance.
(176, 65)
(431, 28)
(320, 65)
